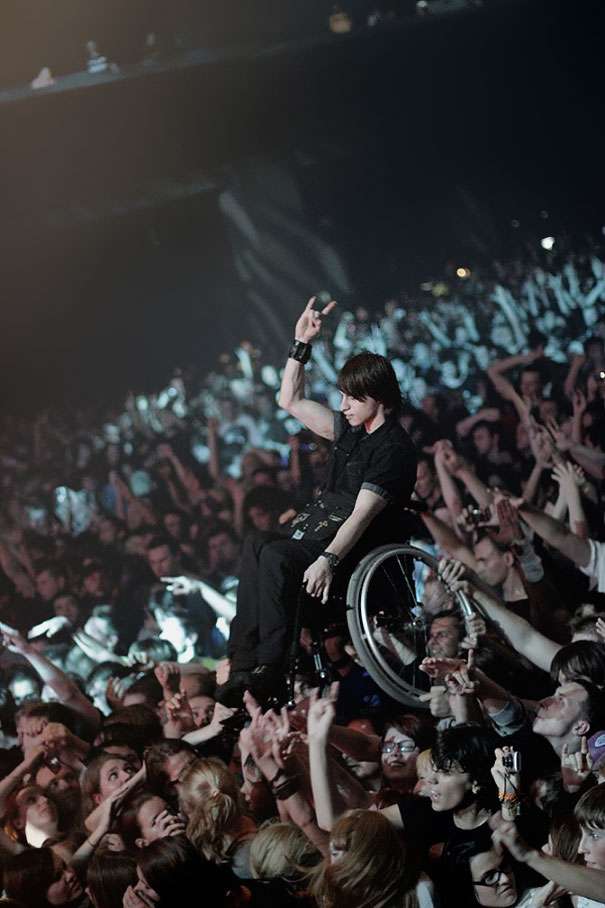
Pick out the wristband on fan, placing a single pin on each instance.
(300, 351)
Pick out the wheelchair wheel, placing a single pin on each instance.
(383, 602)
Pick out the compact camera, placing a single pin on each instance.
(512, 761)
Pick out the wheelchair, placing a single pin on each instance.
(383, 593)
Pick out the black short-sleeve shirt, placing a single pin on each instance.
(382, 461)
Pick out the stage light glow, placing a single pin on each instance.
(547, 243)
(463, 272)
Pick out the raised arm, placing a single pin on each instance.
(67, 690)
(448, 541)
(314, 416)
(522, 636)
(556, 534)
(444, 457)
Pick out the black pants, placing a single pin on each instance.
(271, 575)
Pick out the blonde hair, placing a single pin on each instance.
(424, 763)
(373, 871)
(211, 800)
(281, 850)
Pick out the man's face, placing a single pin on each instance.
(162, 562)
(425, 480)
(359, 412)
(483, 440)
(492, 564)
(222, 551)
(63, 786)
(24, 690)
(174, 631)
(530, 384)
(202, 708)
(444, 638)
(548, 410)
(260, 518)
(173, 525)
(67, 607)
(558, 714)
(107, 532)
(48, 586)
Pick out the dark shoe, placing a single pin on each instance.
(268, 684)
(231, 693)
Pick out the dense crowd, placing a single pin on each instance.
(128, 780)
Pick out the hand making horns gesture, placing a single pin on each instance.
(308, 325)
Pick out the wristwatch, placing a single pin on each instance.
(333, 560)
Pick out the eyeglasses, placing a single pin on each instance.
(492, 878)
(401, 748)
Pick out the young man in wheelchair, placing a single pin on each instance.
(370, 479)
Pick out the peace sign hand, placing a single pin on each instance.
(308, 325)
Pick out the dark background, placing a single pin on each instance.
(412, 145)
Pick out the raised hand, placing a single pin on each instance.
(169, 676)
(510, 527)
(453, 575)
(576, 767)
(167, 824)
(322, 711)
(445, 454)
(179, 715)
(437, 667)
(308, 325)
(180, 586)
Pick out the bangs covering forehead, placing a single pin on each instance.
(370, 375)
(590, 809)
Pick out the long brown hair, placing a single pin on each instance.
(373, 871)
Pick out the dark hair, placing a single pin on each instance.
(485, 533)
(590, 809)
(52, 568)
(594, 707)
(106, 670)
(128, 822)
(53, 712)
(565, 834)
(155, 757)
(221, 526)
(371, 375)
(168, 541)
(468, 748)
(492, 428)
(580, 660)
(175, 869)
(28, 875)
(416, 728)
(147, 686)
(139, 716)
(154, 649)
(581, 623)
(109, 874)
(447, 613)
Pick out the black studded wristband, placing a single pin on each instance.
(300, 351)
